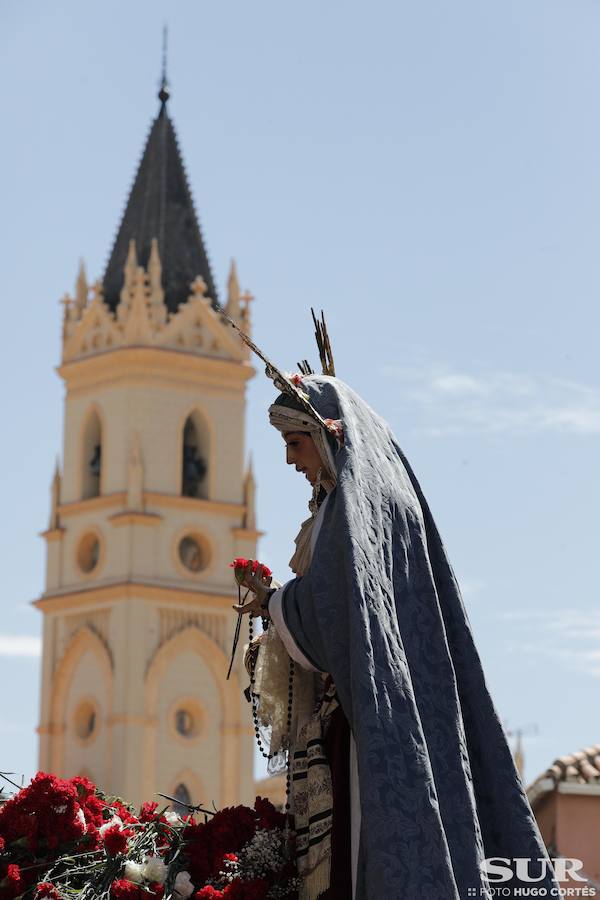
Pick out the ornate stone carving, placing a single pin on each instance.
(142, 319)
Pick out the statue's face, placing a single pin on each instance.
(301, 452)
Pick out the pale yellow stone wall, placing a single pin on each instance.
(146, 548)
(140, 636)
(87, 688)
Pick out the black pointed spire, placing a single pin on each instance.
(160, 206)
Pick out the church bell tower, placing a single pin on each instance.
(152, 503)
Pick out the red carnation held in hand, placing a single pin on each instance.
(240, 564)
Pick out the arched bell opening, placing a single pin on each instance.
(195, 455)
(91, 458)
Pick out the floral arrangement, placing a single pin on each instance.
(64, 839)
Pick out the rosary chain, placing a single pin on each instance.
(254, 698)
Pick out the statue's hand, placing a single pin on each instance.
(253, 607)
(259, 585)
(256, 582)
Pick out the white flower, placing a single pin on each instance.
(133, 871)
(231, 870)
(81, 818)
(183, 885)
(116, 820)
(265, 854)
(172, 817)
(154, 869)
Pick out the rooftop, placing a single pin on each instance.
(570, 772)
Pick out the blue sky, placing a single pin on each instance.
(425, 172)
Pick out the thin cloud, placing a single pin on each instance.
(452, 402)
(568, 636)
(21, 646)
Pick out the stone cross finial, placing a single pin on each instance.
(246, 299)
(199, 286)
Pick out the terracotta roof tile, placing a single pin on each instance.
(583, 767)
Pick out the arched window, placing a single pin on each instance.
(184, 800)
(91, 457)
(194, 463)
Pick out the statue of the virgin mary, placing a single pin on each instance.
(402, 783)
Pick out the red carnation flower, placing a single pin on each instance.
(115, 839)
(46, 812)
(268, 816)
(122, 889)
(208, 893)
(206, 844)
(200, 858)
(84, 787)
(92, 805)
(148, 812)
(12, 884)
(123, 812)
(257, 889)
(2, 844)
(240, 564)
(47, 889)
(13, 874)
(157, 889)
(92, 839)
(93, 810)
